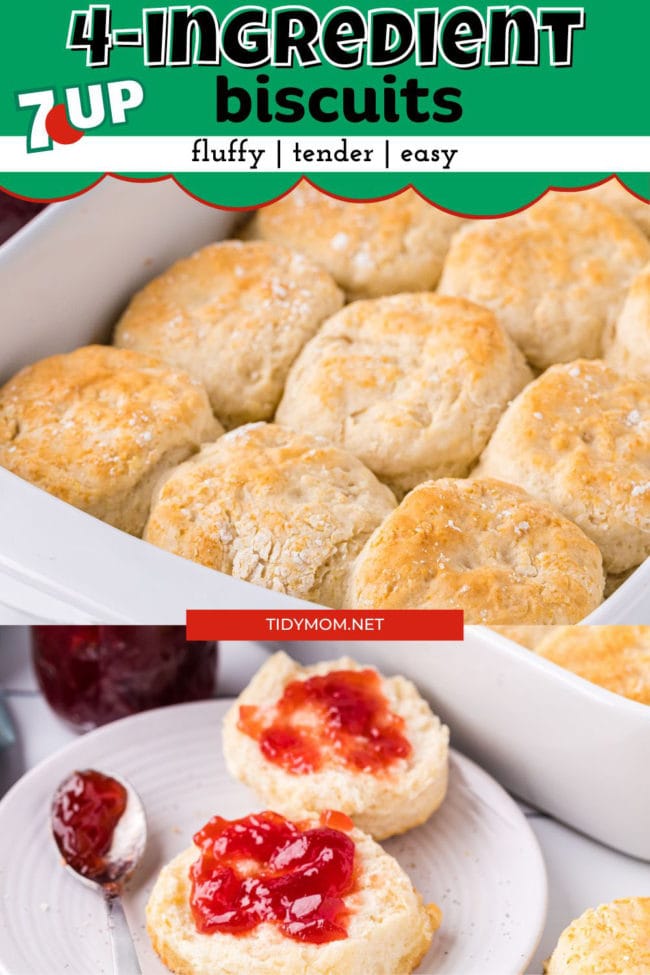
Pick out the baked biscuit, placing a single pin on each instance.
(613, 939)
(616, 196)
(322, 763)
(273, 507)
(411, 384)
(578, 437)
(629, 347)
(616, 657)
(235, 316)
(389, 930)
(482, 546)
(555, 274)
(371, 249)
(98, 426)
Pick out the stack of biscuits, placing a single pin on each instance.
(375, 405)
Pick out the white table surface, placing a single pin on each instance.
(581, 873)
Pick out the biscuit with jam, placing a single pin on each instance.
(339, 734)
(269, 896)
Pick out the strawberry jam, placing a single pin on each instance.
(86, 809)
(341, 717)
(264, 868)
(94, 674)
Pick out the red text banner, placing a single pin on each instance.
(316, 624)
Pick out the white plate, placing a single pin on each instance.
(476, 857)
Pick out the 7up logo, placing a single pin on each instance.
(65, 120)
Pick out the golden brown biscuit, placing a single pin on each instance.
(276, 508)
(555, 275)
(235, 316)
(371, 249)
(616, 657)
(389, 929)
(616, 196)
(482, 546)
(613, 939)
(628, 349)
(98, 426)
(578, 437)
(411, 384)
(381, 802)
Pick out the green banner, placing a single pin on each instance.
(480, 106)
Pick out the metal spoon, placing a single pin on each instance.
(127, 847)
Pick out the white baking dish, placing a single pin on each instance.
(63, 281)
(557, 741)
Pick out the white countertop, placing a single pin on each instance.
(581, 873)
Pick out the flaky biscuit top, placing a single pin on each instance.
(92, 425)
(556, 274)
(628, 346)
(412, 384)
(234, 315)
(482, 546)
(613, 939)
(371, 249)
(273, 507)
(578, 437)
(615, 657)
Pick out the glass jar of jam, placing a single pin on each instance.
(94, 674)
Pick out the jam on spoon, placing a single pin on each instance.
(86, 809)
(356, 726)
(265, 868)
(99, 826)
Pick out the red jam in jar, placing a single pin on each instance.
(342, 717)
(94, 674)
(85, 811)
(264, 868)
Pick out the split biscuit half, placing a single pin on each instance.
(382, 801)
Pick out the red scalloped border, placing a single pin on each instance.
(334, 196)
